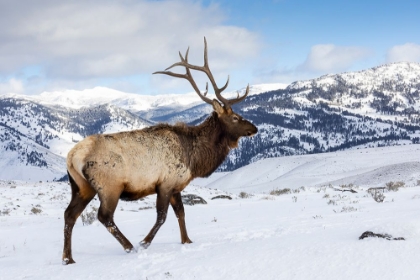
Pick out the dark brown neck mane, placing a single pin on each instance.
(205, 146)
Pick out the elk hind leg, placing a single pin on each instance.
(106, 217)
(80, 198)
(178, 207)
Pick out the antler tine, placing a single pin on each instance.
(190, 78)
(218, 91)
(206, 69)
(183, 62)
(206, 62)
(187, 76)
(239, 99)
(225, 86)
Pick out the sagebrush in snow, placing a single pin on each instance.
(377, 194)
(280, 191)
(88, 217)
(36, 210)
(244, 195)
(394, 186)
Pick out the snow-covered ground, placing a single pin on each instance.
(371, 167)
(311, 232)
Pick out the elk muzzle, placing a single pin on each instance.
(252, 130)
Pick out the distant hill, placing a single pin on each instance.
(375, 107)
(35, 138)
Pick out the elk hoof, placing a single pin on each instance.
(188, 241)
(144, 244)
(131, 250)
(67, 261)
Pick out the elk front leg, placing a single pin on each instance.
(178, 206)
(162, 204)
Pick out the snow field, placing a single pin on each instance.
(308, 231)
(298, 235)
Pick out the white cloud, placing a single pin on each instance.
(408, 52)
(330, 58)
(99, 39)
(11, 86)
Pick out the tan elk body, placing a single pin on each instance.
(160, 159)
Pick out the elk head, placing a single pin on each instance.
(235, 125)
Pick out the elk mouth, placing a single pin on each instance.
(249, 133)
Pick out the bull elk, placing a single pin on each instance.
(160, 159)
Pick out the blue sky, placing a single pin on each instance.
(48, 45)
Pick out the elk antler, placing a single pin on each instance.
(184, 62)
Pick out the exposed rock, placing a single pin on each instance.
(384, 235)
(192, 199)
(222, 197)
(345, 190)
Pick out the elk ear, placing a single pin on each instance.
(218, 108)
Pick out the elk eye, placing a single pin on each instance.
(235, 118)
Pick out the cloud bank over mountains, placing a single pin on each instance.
(58, 45)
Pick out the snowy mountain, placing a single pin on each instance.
(376, 107)
(391, 90)
(135, 103)
(37, 131)
(35, 138)
(371, 108)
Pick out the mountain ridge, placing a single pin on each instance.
(375, 107)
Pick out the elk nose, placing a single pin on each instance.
(252, 131)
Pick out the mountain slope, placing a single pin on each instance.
(376, 107)
(35, 138)
(371, 108)
(38, 131)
